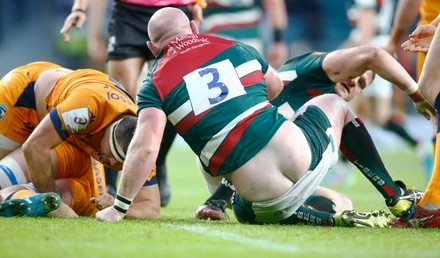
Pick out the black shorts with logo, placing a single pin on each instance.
(128, 33)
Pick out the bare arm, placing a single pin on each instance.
(141, 157)
(146, 205)
(274, 84)
(36, 151)
(276, 12)
(430, 77)
(406, 13)
(349, 63)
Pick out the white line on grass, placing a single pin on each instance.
(260, 243)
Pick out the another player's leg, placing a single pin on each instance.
(427, 212)
(214, 207)
(317, 210)
(161, 168)
(358, 147)
(111, 178)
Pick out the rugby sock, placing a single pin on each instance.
(359, 149)
(111, 176)
(432, 193)
(161, 169)
(308, 215)
(224, 191)
(400, 131)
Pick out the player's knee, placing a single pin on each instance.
(371, 53)
(243, 211)
(11, 173)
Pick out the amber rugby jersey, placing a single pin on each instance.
(18, 115)
(83, 103)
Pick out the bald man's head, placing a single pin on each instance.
(166, 24)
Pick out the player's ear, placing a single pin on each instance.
(194, 27)
(153, 48)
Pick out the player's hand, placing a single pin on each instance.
(109, 215)
(103, 201)
(420, 39)
(196, 13)
(424, 108)
(277, 54)
(76, 20)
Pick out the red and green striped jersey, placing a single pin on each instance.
(213, 91)
(303, 79)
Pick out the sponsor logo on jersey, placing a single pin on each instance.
(3, 110)
(76, 119)
(171, 51)
(186, 41)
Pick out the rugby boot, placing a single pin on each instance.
(351, 218)
(212, 210)
(35, 205)
(403, 206)
(422, 218)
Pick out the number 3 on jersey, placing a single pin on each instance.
(212, 85)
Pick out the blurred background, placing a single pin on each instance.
(29, 31)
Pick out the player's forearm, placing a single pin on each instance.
(276, 12)
(40, 169)
(82, 4)
(137, 167)
(391, 70)
(136, 171)
(406, 13)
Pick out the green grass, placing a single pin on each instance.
(177, 234)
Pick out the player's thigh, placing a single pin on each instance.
(127, 71)
(335, 109)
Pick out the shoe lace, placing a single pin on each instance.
(409, 192)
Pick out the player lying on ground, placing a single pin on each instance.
(345, 72)
(80, 185)
(49, 111)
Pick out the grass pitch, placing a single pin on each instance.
(177, 234)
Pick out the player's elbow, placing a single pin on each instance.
(371, 55)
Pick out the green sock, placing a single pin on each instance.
(358, 147)
(307, 215)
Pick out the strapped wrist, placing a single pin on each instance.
(412, 89)
(277, 35)
(122, 204)
(78, 10)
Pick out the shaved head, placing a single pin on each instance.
(166, 24)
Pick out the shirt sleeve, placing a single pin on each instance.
(148, 96)
(76, 115)
(257, 55)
